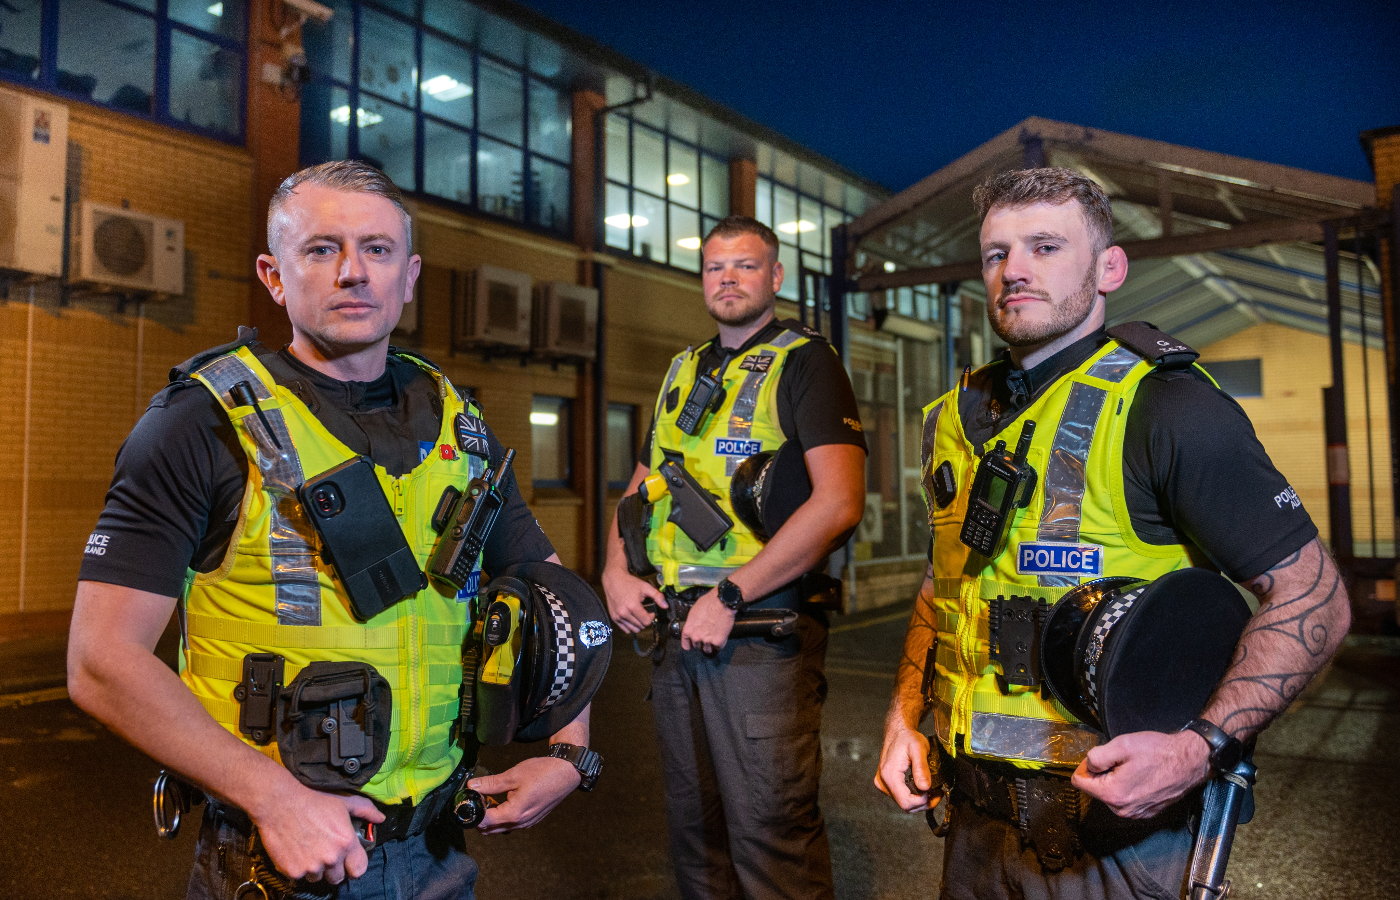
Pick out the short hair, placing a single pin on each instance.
(1023, 187)
(734, 226)
(347, 175)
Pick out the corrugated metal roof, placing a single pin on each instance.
(1199, 297)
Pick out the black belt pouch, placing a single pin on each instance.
(333, 724)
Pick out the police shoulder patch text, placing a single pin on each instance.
(97, 544)
(855, 426)
(1054, 558)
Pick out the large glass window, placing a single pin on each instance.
(622, 444)
(803, 224)
(663, 195)
(446, 103)
(549, 441)
(179, 62)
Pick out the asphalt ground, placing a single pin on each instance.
(75, 808)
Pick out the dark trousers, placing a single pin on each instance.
(983, 859)
(432, 866)
(741, 761)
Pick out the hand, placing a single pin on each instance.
(532, 787)
(906, 749)
(708, 624)
(625, 593)
(1138, 775)
(309, 835)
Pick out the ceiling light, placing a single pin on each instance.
(795, 227)
(446, 88)
(544, 418)
(365, 118)
(216, 10)
(690, 243)
(889, 266)
(677, 179)
(620, 220)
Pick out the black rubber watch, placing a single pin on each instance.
(731, 596)
(588, 762)
(1225, 750)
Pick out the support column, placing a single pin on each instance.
(743, 187)
(274, 140)
(588, 179)
(1335, 413)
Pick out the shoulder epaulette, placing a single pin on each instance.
(411, 354)
(805, 331)
(1157, 347)
(246, 337)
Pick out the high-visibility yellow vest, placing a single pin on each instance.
(274, 593)
(1078, 505)
(745, 423)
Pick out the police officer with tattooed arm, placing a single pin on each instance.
(1130, 462)
(754, 472)
(293, 504)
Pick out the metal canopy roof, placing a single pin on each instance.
(1216, 243)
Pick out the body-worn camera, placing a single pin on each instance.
(1003, 484)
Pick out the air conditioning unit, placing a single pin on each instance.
(126, 249)
(492, 309)
(566, 320)
(33, 163)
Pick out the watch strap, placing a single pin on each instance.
(1225, 750)
(588, 763)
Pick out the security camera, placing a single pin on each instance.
(311, 10)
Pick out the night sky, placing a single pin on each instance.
(896, 90)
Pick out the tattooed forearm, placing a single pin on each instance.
(1303, 616)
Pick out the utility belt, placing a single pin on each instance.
(773, 616)
(1044, 806)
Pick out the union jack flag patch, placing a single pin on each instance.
(756, 363)
(471, 436)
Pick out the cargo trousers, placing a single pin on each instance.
(741, 763)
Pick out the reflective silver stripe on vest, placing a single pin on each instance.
(1037, 740)
(930, 434)
(670, 380)
(1069, 453)
(709, 576)
(1115, 366)
(746, 404)
(298, 590)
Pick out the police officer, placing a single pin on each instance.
(737, 720)
(205, 485)
(1147, 467)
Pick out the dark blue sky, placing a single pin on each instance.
(895, 90)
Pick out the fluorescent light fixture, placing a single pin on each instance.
(446, 88)
(677, 179)
(544, 418)
(365, 118)
(795, 227)
(690, 243)
(216, 10)
(622, 220)
(889, 266)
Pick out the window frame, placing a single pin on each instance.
(323, 78)
(164, 28)
(633, 412)
(566, 411)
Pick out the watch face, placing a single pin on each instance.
(729, 594)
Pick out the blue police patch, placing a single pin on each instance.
(468, 591)
(424, 448)
(1051, 558)
(741, 447)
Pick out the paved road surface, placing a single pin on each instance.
(75, 801)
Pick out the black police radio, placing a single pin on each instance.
(1002, 485)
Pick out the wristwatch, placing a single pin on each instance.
(731, 596)
(1225, 750)
(588, 762)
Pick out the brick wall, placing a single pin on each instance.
(75, 376)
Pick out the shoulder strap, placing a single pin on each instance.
(1157, 347)
(795, 326)
(246, 337)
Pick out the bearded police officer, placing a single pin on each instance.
(737, 718)
(1138, 466)
(203, 507)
